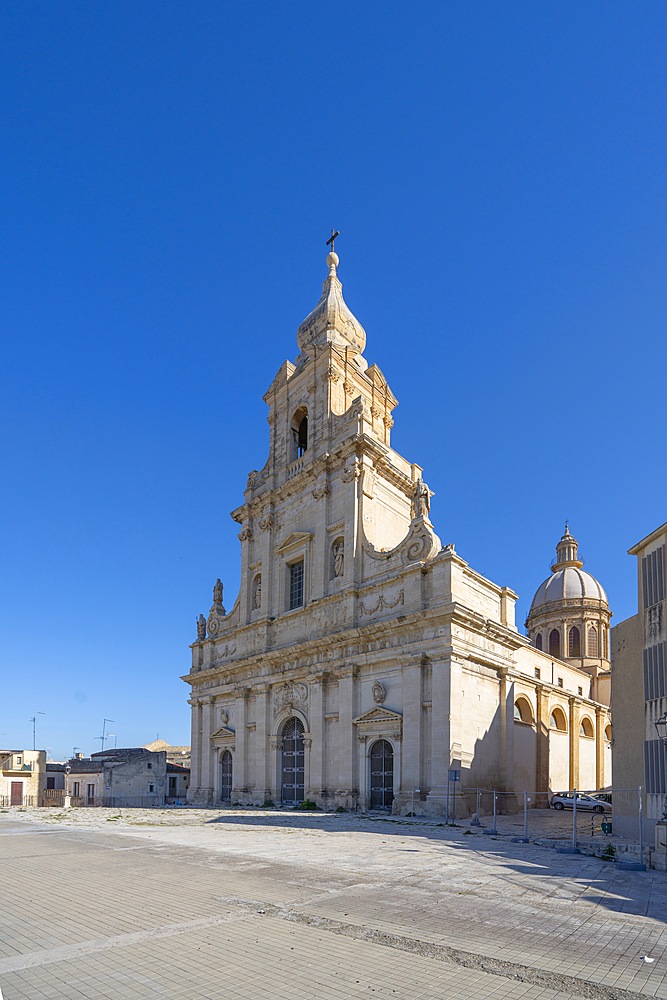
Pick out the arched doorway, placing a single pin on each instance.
(226, 777)
(292, 762)
(382, 775)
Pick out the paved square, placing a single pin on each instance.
(204, 904)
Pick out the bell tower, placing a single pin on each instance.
(332, 487)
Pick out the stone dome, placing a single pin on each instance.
(568, 581)
(331, 321)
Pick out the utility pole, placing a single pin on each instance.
(34, 729)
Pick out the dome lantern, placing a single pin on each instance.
(567, 552)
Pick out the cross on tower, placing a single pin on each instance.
(330, 242)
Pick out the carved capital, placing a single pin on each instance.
(245, 535)
(351, 472)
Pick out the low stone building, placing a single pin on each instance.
(178, 769)
(22, 777)
(363, 661)
(84, 781)
(122, 777)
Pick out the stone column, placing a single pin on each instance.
(261, 743)
(412, 723)
(573, 723)
(347, 776)
(240, 719)
(440, 730)
(542, 737)
(317, 732)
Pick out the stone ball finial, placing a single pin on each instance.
(332, 260)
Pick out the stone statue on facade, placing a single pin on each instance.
(217, 592)
(421, 499)
(201, 628)
(339, 558)
(258, 592)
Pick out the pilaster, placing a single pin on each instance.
(261, 742)
(542, 737)
(599, 749)
(206, 749)
(196, 738)
(573, 724)
(506, 721)
(412, 723)
(455, 718)
(241, 733)
(347, 777)
(440, 723)
(317, 732)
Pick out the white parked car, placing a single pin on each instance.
(565, 800)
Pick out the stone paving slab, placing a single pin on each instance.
(253, 904)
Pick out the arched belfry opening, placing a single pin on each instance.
(299, 433)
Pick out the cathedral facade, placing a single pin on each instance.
(363, 660)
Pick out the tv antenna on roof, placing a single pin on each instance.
(104, 731)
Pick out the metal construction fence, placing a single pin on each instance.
(613, 817)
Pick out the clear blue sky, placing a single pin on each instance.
(170, 173)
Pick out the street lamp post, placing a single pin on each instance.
(67, 800)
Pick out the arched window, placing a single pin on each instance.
(592, 641)
(538, 641)
(523, 711)
(607, 733)
(586, 728)
(299, 432)
(574, 642)
(557, 720)
(554, 643)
